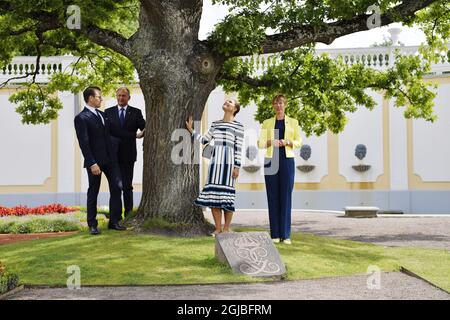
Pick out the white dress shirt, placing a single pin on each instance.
(94, 111)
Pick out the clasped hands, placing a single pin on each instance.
(279, 143)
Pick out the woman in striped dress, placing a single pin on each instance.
(219, 192)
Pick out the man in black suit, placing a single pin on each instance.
(126, 120)
(93, 133)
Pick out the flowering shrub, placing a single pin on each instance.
(42, 210)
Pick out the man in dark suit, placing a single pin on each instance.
(126, 120)
(93, 133)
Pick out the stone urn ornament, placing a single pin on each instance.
(305, 154)
(360, 153)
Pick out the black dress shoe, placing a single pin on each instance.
(116, 226)
(94, 231)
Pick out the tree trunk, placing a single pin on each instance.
(169, 188)
(176, 78)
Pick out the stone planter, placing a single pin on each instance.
(251, 168)
(361, 167)
(306, 168)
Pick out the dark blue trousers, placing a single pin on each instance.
(112, 173)
(279, 188)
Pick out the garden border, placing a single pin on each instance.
(412, 274)
(12, 292)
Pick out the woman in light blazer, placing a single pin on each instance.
(279, 135)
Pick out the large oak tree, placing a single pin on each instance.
(177, 71)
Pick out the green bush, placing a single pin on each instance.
(5, 226)
(39, 225)
(8, 280)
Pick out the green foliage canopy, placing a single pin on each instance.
(321, 90)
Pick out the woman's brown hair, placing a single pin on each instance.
(238, 107)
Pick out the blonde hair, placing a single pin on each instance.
(279, 97)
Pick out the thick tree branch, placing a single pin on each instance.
(327, 33)
(45, 22)
(50, 21)
(307, 34)
(158, 19)
(107, 38)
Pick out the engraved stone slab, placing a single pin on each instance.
(250, 253)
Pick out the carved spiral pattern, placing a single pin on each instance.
(254, 255)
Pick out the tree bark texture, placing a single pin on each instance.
(176, 76)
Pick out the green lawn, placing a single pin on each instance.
(118, 258)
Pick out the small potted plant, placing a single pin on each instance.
(360, 153)
(305, 154)
(251, 154)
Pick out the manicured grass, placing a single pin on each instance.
(119, 258)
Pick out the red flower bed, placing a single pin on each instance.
(42, 210)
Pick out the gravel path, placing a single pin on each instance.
(393, 285)
(408, 231)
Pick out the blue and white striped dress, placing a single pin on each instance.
(219, 191)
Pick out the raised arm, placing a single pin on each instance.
(203, 139)
(206, 138)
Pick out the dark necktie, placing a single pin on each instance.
(99, 116)
(122, 117)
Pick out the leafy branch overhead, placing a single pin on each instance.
(321, 90)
